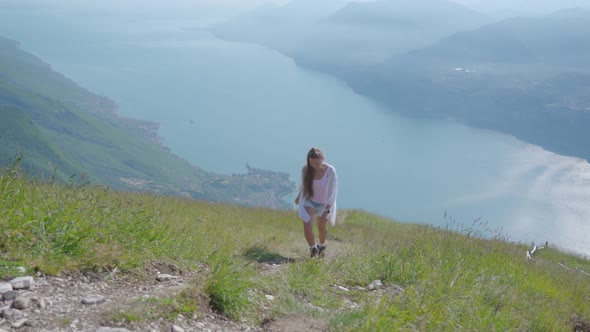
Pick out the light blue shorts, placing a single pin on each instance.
(319, 207)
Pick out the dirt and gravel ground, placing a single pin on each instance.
(90, 303)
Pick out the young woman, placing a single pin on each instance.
(317, 197)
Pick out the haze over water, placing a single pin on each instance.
(222, 105)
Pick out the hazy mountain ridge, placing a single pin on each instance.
(511, 8)
(515, 76)
(401, 13)
(281, 27)
(353, 34)
(510, 76)
(58, 126)
(362, 34)
(556, 40)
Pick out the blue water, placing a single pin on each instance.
(222, 105)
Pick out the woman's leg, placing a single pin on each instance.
(308, 227)
(323, 229)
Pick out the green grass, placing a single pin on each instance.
(18, 135)
(436, 279)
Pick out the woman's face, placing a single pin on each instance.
(316, 163)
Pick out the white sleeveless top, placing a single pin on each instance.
(320, 189)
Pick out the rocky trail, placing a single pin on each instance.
(91, 302)
(105, 303)
(120, 302)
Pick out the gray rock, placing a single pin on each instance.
(176, 328)
(9, 296)
(22, 283)
(93, 299)
(21, 269)
(112, 329)
(2, 308)
(165, 277)
(5, 287)
(19, 323)
(27, 300)
(3, 312)
(376, 284)
(12, 314)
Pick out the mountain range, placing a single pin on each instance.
(527, 77)
(335, 35)
(523, 76)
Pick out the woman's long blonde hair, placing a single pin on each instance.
(314, 153)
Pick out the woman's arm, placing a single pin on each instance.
(300, 185)
(332, 186)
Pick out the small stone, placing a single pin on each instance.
(93, 299)
(21, 269)
(19, 323)
(22, 283)
(23, 301)
(269, 297)
(2, 308)
(176, 328)
(5, 287)
(27, 300)
(165, 277)
(377, 284)
(9, 296)
(5, 313)
(342, 288)
(112, 329)
(12, 314)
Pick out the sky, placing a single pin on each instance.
(160, 8)
(187, 8)
(139, 4)
(518, 7)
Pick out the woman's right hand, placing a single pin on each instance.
(297, 200)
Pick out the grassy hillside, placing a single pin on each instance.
(80, 134)
(252, 263)
(19, 135)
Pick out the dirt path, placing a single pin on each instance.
(114, 303)
(110, 302)
(123, 303)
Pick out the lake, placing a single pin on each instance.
(222, 105)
